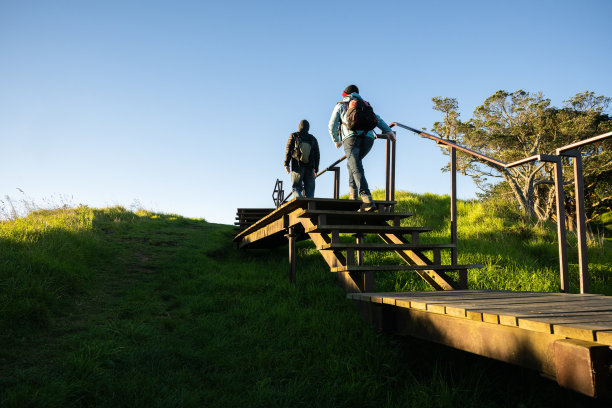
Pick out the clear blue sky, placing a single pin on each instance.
(186, 106)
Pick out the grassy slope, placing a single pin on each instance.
(517, 254)
(111, 308)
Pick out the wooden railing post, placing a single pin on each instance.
(453, 204)
(292, 254)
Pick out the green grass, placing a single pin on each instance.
(517, 253)
(111, 308)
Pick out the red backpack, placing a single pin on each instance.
(360, 115)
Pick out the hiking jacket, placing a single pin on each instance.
(292, 145)
(339, 132)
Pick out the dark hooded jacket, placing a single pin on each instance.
(293, 142)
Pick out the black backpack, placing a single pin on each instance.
(360, 115)
(302, 149)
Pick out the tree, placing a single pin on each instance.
(512, 126)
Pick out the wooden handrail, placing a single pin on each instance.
(584, 142)
(451, 143)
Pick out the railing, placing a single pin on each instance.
(568, 150)
(278, 195)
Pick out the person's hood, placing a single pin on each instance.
(354, 95)
(304, 126)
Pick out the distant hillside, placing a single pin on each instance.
(106, 307)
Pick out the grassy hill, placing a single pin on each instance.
(110, 308)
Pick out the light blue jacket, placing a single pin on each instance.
(337, 129)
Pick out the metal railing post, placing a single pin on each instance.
(453, 204)
(561, 234)
(392, 166)
(583, 264)
(388, 171)
(336, 171)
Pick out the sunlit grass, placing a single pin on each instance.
(108, 307)
(517, 253)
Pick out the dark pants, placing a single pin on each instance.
(303, 178)
(356, 148)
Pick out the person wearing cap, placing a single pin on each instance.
(303, 155)
(357, 145)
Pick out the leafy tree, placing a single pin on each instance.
(512, 126)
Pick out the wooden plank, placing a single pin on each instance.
(372, 229)
(392, 268)
(604, 337)
(535, 311)
(523, 307)
(383, 247)
(379, 216)
(583, 366)
(275, 227)
(582, 330)
(436, 308)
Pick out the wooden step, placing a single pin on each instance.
(334, 204)
(394, 268)
(368, 229)
(301, 203)
(340, 246)
(250, 217)
(353, 217)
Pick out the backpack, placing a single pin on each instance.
(360, 115)
(302, 149)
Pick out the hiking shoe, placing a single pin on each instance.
(368, 204)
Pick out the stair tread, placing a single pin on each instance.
(368, 228)
(356, 214)
(382, 246)
(338, 204)
(362, 268)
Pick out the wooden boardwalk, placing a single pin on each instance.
(566, 337)
(563, 336)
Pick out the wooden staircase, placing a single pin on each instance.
(324, 220)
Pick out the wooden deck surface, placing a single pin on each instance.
(566, 337)
(584, 317)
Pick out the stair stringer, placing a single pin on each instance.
(351, 282)
(436, 279)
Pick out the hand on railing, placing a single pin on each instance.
(386, 135)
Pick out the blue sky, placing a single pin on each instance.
(186, 106)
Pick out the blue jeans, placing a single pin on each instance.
(356, 148)
(303, 178)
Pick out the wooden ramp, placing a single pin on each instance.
(566, 337)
